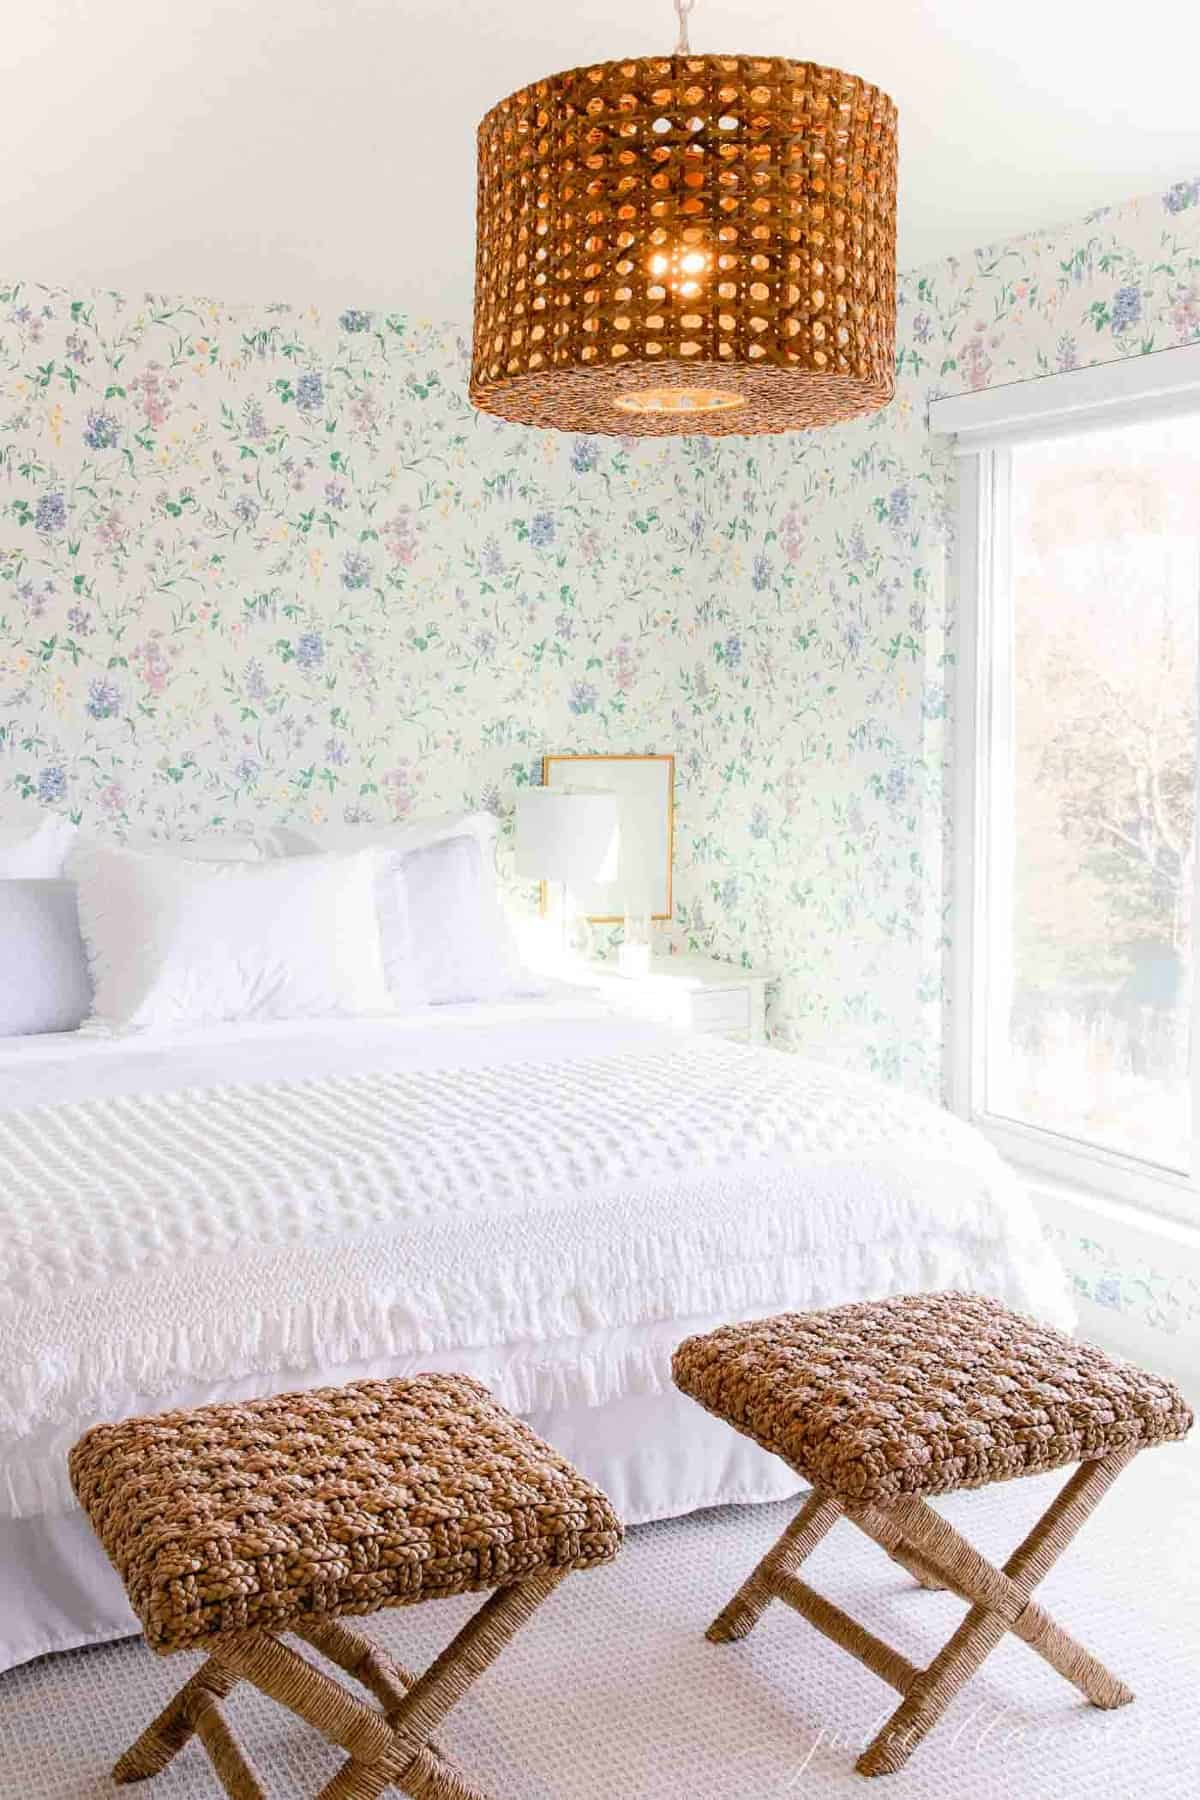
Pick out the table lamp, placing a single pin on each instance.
(570, 839)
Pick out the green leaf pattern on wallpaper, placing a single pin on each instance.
(256, 565)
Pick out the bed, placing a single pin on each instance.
(536, 1192)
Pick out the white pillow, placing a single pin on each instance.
(211, 848)
(44, 984)
(445, 936)
(175, 943)
(35, 852)
(460, 945)
(404, 834)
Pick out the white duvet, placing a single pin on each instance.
(535, 1195)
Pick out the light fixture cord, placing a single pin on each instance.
(683, 8)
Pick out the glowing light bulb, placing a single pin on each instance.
(680, 267)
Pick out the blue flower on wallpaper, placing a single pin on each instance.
(899, 508)
(857, 552)
(1183, 194)
(51, 513)
(310, 393)
(247, 771)
(541, 530)
(582, 697)
(760, 575)
(1107, 1292)
(51, 784)
(102, 432)
(730, 652)
(491, 561)
(356, 570)
(353, 320)
(310, 650)
(246, 509)
(896, 786)
(104, 699)
(584, 455)
(1126, 308)
(760, 823)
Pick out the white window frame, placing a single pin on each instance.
(985, 426)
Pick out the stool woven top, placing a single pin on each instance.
(338, 1500)
(923, 1394)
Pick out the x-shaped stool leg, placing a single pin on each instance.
(938, 1556)
(388, 1746)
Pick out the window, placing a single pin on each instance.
(1077, 801)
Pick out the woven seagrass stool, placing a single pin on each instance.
(881, 1403)
(232, 1524)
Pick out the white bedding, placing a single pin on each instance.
(539, 1194)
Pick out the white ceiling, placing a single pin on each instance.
(324, 149)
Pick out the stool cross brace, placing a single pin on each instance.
(388, 1746)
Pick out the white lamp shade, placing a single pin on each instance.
(567, 835)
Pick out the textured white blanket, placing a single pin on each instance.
(153, 1240)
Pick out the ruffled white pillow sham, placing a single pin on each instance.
(36, 851)
(174, 943)
(445, 936)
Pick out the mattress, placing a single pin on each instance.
(542, 1194)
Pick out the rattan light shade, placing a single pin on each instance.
(686, 244)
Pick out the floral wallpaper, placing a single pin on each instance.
(259, 565)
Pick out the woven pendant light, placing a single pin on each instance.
(686, 244)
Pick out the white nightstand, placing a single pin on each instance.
(694, 992)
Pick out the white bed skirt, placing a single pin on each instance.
(655, 1456)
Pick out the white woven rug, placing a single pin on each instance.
(612, 1691)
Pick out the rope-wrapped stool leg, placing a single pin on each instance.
(231, 1765)
(174, 1726)
(817, 1516)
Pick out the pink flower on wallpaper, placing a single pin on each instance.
(400, 788)
(1185, 316)
(363, 673)
(400, 536)
(112, 531)
(975, 362)
(792, 536)
(112, 798)
(153, 390)
(364, 413)
(624, 663)
(151, 663)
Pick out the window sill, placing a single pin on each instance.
(1134, 1273)
(1102, 1177)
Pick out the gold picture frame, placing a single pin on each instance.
(647, 799)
